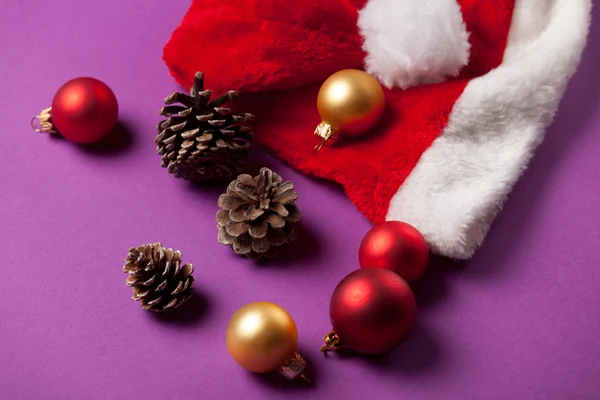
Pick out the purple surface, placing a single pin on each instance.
(520, 321)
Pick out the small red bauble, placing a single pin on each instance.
(372, 311)
(84, 110)
(396, 246)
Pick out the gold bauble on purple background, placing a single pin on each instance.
(262, 337)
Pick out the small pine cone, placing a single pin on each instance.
(158, 279)
(200, 140)
(258, 215)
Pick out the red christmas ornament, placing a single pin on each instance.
(396, 246)
(372, 311)
(83, 110)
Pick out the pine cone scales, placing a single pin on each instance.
(158, 279)
(258, 214)
(200, 140)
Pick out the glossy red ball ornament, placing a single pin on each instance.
(396, 246)
(84, 110)
(372, 311)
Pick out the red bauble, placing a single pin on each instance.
(396, 246)
(372, 311)
(84, 110)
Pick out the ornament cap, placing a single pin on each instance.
(332, 342)
(44, 123)
(295, 367)
(326, 133)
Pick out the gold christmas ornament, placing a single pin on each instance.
(350, 102)
(262, 337)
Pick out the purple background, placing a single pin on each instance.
(519, 321)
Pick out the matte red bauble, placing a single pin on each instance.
(396, 246)
(83, 110)
(372, 311)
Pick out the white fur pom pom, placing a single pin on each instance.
(412, 42)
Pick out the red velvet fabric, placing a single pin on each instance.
(278, 52)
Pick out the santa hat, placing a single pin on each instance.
(471, 87)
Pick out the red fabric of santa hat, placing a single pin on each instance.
(471, 87)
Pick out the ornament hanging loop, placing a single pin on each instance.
(319, 146)
(42, 123)
(36, 125)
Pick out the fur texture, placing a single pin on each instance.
(461, 181)
(490, 118)
(412, 42)
(372, 168)
(253, 45)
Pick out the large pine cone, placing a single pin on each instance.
(158, 279)
(258, 214)
(200, 140)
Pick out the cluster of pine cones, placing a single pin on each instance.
(203, 141)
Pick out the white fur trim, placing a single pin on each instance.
(460, 183)
(412, 42)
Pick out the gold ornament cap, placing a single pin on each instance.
(295, 367)
(326, 133)
(332, 342)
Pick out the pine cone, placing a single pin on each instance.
(200, 140)
(157, 277)
(258, 214)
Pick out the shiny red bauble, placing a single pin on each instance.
(372, 311)
(396, 246)
(84, 110)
